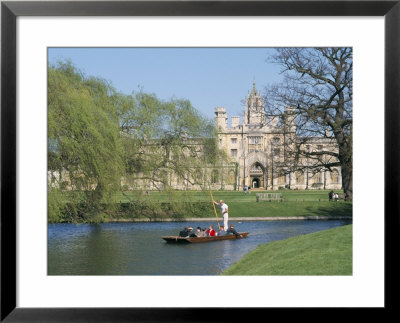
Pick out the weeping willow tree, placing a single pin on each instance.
(99, 138)
(83, 143)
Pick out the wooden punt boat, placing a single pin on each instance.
(177, 239)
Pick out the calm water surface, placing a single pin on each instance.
(137, 248)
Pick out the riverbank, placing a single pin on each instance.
(196, 206)
(235, 219)
(327, 252)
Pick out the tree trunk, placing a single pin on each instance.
(346, 162)
(347, 181)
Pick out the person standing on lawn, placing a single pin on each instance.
(224, 211)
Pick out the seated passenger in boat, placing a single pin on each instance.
(211, 232)
(187, 232)
(233, 230)
(191, 233)
(221, 231)
(200, 233)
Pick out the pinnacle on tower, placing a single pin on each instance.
(254, 87)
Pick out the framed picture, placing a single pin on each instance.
(156, 298)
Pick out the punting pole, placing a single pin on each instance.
(212, 201)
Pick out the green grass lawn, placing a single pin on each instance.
(287, 209)
(296, 203)
(326, 252)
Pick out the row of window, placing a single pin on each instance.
(276, 151)
(255, 144)
(234, 152)
(317, 178)
(256, 140)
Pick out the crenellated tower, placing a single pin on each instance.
(221, 118)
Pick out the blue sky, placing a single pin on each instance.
(208, 77)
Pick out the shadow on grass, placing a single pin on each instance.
(333, 209)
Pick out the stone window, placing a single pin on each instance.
(214, 176)
(233, 141)
(334, 176)
(317, 178)
(234, 152)
(276, 141)
(255, 143)
(255, 140)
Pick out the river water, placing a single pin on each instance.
(137, 248)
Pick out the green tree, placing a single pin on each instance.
(163, 139)
(83, 140)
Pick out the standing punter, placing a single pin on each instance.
(224, 211)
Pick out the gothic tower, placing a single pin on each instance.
(254, 108)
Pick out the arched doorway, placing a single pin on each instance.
(255, 182)
(257, 175)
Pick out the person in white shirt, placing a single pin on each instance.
(224, 211)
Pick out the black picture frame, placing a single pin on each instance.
(10, 10)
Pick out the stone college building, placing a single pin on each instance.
(263, 149)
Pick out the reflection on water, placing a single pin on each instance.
(137, 248)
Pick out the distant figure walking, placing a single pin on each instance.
(224, 211)
(331, 194)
